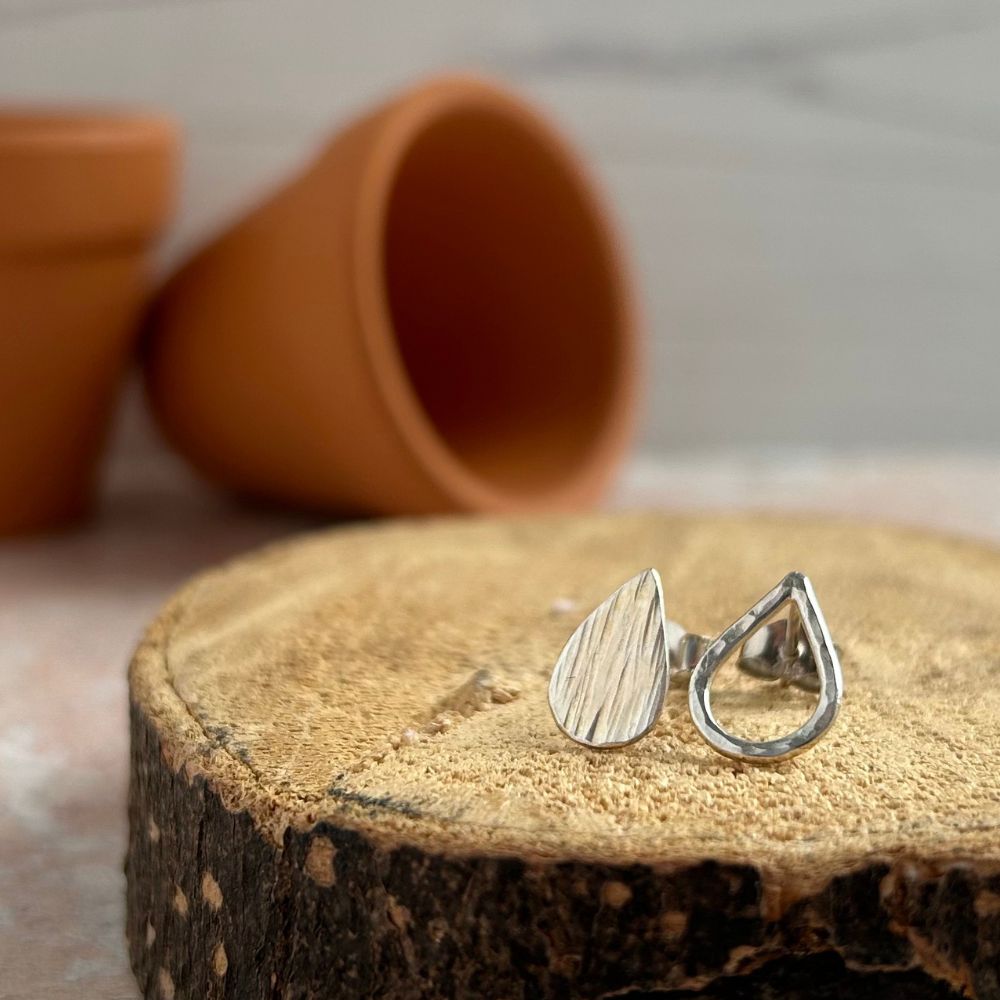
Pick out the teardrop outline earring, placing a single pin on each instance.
(805, 619)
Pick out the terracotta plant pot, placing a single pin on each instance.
(81, 195)
(432, 317)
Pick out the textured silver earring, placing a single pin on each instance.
(608, 685)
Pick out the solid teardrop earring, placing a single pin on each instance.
(610, 679)
(798, 651)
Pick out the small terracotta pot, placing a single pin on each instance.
(432, 317)
(81, 195)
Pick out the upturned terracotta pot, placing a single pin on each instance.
(432, 317)
(81, 195)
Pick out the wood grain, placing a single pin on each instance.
(303, 732)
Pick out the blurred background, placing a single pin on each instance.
(810, 192)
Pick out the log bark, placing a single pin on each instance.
(345, 781)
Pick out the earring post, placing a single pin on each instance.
(774, 653)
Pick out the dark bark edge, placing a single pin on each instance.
(403, 923)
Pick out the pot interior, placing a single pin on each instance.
(506, 300)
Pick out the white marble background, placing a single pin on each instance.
(811, 190)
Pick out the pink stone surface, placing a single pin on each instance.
(71, 609)
(73, 606)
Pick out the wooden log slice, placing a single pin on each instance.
(345, 780)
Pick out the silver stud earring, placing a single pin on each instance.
(611, 678)
(798, 650)
(608, 685)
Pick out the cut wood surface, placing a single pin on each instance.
(346, 781)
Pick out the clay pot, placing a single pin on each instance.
(81, 195)
(432, 317)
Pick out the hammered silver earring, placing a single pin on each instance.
(611, 678)
(795, 650)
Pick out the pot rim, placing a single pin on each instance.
(405, 120)
(75, 178)
(57, 128)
